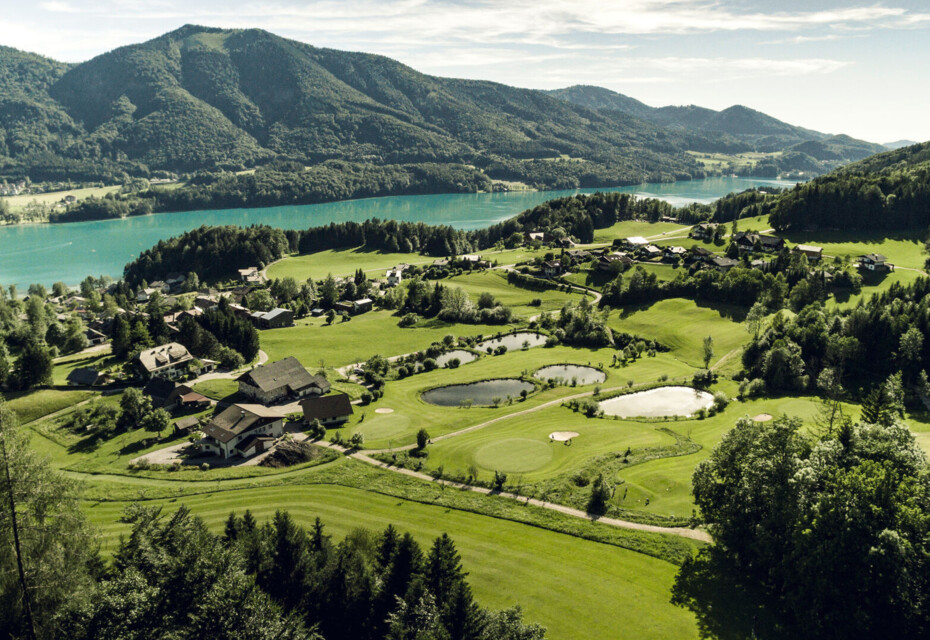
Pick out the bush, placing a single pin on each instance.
(205, 466)
(408, 320)
(291, 452)
(422, 439)
(704, 378)
(356, 441)
(429, 364)
(500, 479)
(720, 401)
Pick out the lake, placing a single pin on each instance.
(47, 253)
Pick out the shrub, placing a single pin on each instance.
(367, 397)
(500, 479)
(291, 452)
(429, 364)
(408, 320)
(356, 441)
(205, 466)
(422, 439)
(720, 401)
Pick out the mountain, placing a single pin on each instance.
(897, 144)
(203, 98)
(809, 150)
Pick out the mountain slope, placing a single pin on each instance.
(756, 130)
(202, 98)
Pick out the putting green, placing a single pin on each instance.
(515, 455)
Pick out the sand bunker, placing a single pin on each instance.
(563, 436)
(762, 417)
(384, 410)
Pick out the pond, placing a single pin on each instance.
(463, 356)
(479, 393)
(571, 372)
(663, 402)
(514, 341)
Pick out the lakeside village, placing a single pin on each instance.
(155, 329)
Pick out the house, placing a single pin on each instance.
(94, 337)
(329, 410)
(565, 243)
(698, 254)
(650, 251)
(169, 361)
(206, 302)
(169, 395)
(674, 253)
(703, 231)
(722, 264)
(574, 256)
(614, 262)
(552, 268)
(242, 430)
(441, 262)
(538, 236)
(746, 242)
(274, 319)
(187, 424)
(87, 377)
(344, 307)
(814, 254)
(251, 275)
(634, 242)
(875, 262)
(316, 312)
(175, 279)
(394, 276)
(284, 378)
(362, 305)
(144, 294)
(474, 262)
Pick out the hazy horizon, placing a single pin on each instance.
(833, 66)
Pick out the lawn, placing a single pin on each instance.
(53, 197)
(67, 364)
(365, 335)
(36, 404)
(629, 228)
(905, 248)
(551, 575)
(517, 298)
(682, 325)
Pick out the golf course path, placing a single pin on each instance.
(693, 534)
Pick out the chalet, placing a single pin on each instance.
(187, 425)
(814, 254)
(650, 251)
(703, 231)
(552, 268)
(441, 262)
(282, 379)
(316, 312)
(698, 254)
(87, 377)
(145, 294)
(169, 395)
(94, 337)
(274, 319)
(239, 311)
(169, 361)
(394, 276)
(574, 256)
(763, 265)
(242, 430)
(635, 242)
(614, 262)
(206, 302)
(565, 243)
(674, 253)
(175, 279)
(746, 241)
(722, 264)
(875, 262)
(329, 410)
(344, 306)
(535, 236)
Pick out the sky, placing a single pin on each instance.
(837, 66)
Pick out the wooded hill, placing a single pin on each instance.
(745, 128)
(202, 98)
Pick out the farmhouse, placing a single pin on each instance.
(614, 262)
(188, 424)
(814, 254)
(329, 410)
(634, 242)
(705, 230)
(722, 264)
(242, 430)
(274, 319)
(94, 337)
(538, 236)
(875, 262)
(170, 361)
(650, 251)
(363, 305)
(552, 268)
(281, 379)
(746, 241)
(674, 253)
(394, 276)
(87, 377)
(251, 275)
(169, 395)
(474, 261)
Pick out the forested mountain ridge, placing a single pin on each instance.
(202, 98)
(755, 130)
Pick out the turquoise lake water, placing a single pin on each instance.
(48, 253)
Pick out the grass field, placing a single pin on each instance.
(682, 326)
(53, 197)
(549, 574)
(365, 335)
(517, 298)
(629, 228)
(36, 404)
(905, 249)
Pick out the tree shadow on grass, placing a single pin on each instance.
(726, 607)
